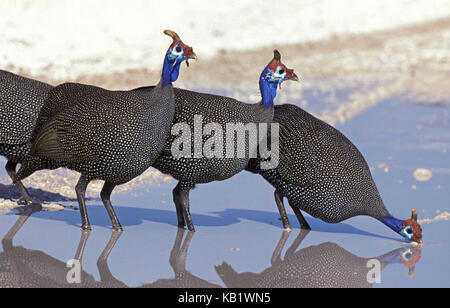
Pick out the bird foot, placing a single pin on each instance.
(30, 208)
(117, 228)
(29, 201)
(86, 228)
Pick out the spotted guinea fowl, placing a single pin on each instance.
(322, 173)
(21, 100)
(191, 107)
(106, 135)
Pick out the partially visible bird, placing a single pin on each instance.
(106, 135)
(21, 100)
(219, 111)
(322, 173)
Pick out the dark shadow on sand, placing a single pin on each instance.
(11, 192)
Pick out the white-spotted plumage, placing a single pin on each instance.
(21, 100)
(320, 171)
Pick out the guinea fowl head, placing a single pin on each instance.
(409, 229)
(177, 53)
(272, 76)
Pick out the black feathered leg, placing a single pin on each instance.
(106, 196)
(303, 223)
(178, 206)
(80, 189)
(282, 210)
(182, 198)
(26, 197)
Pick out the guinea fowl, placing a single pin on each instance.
(322, 173)
(194, 169)
(106, 135)
(21, 100)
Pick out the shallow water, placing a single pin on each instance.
(237, 223)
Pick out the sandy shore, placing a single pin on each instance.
(411, 61)
(416, 56)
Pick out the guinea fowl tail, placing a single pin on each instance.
(32, 164)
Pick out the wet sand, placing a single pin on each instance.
(415, 57)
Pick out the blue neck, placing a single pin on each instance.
(170, 72)
(268, 89)
(392, 222)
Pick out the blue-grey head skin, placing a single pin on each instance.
(177, 53)
(272, 76)
(409, 229)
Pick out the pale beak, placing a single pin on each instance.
(191, 55)
(293, 77)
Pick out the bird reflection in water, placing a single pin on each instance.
(27, 268)
(325, 265)
(183, 278)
